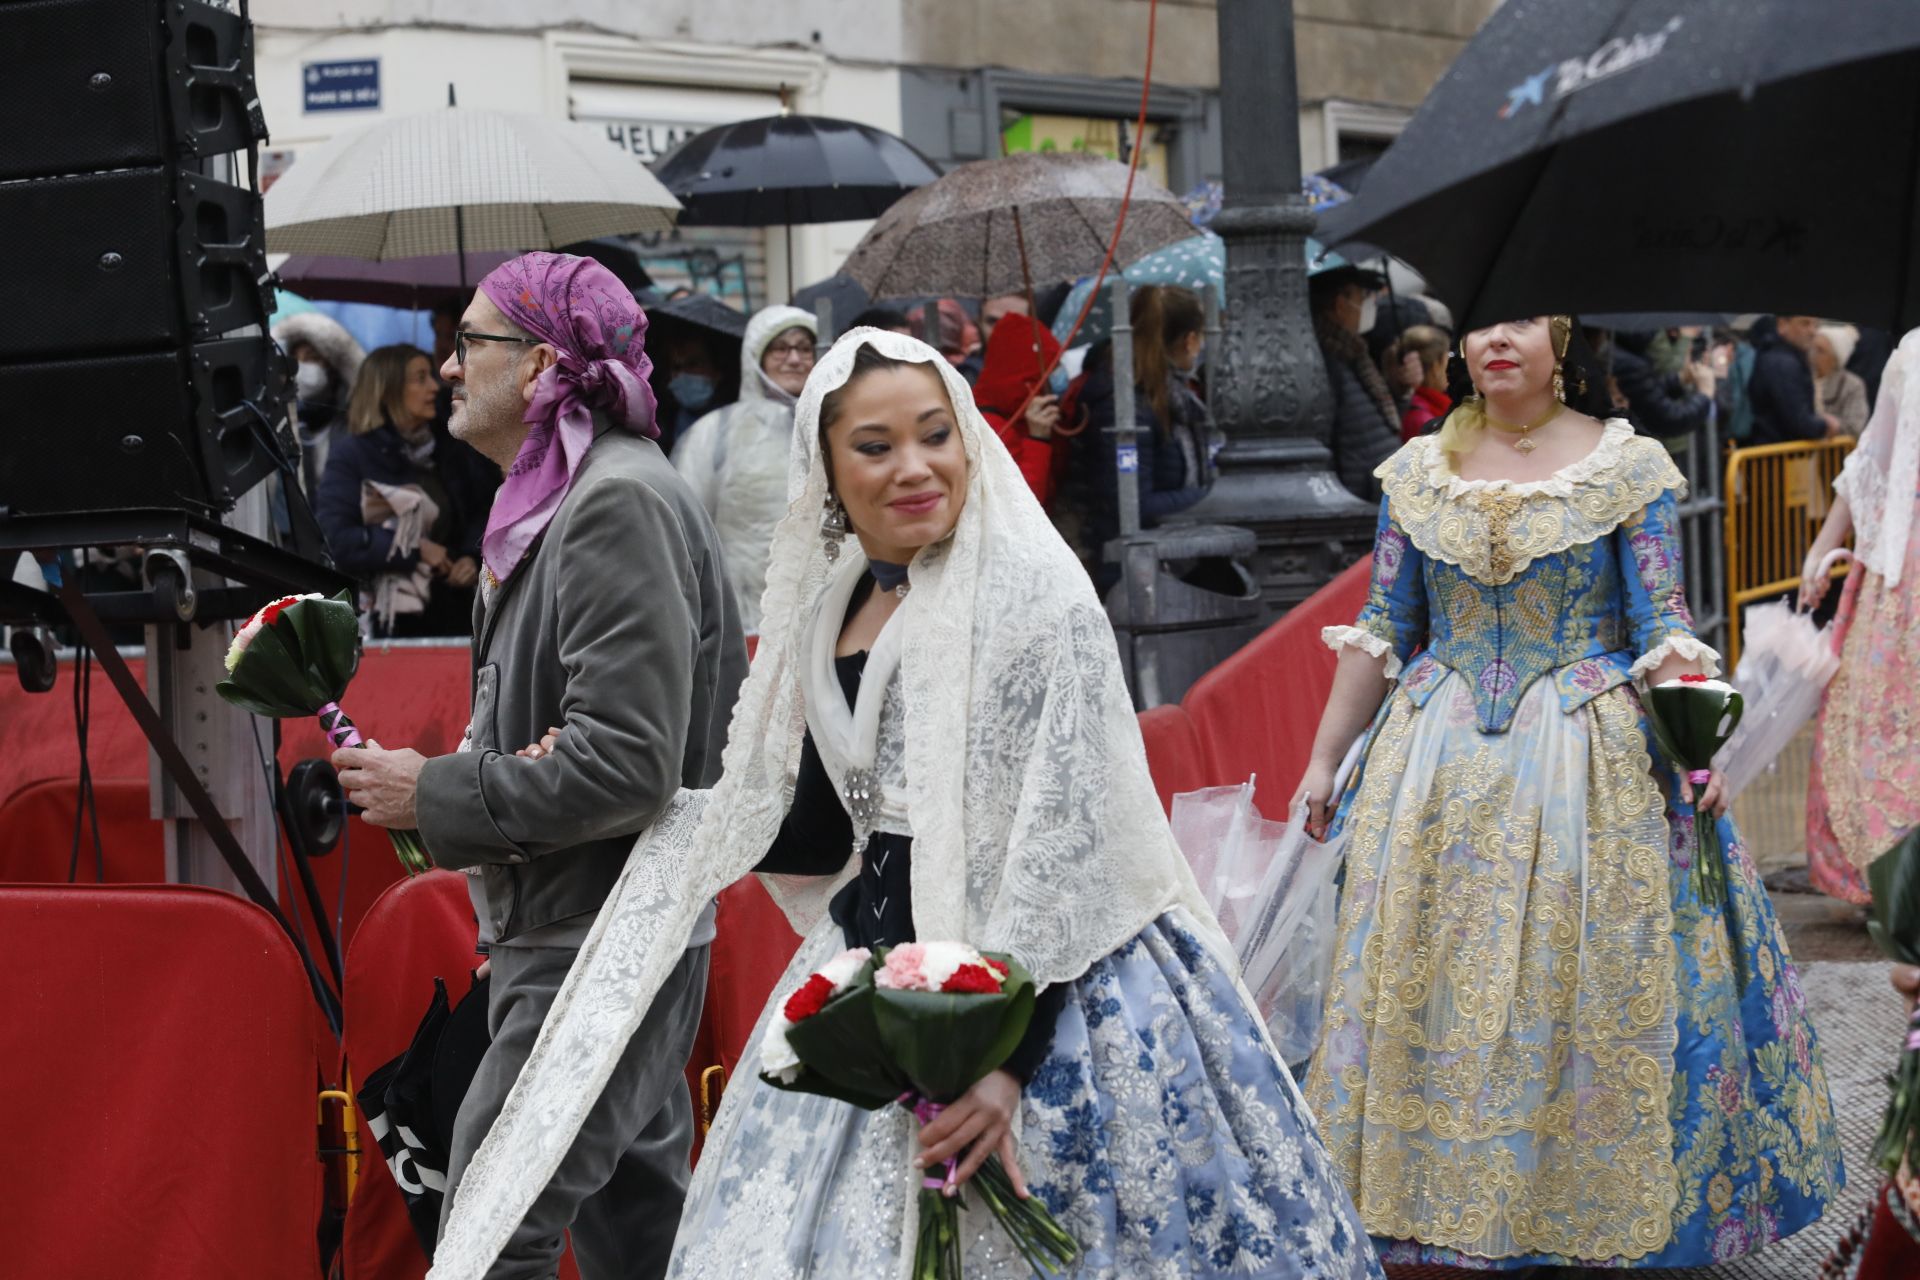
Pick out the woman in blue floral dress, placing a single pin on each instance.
(1541, 1046)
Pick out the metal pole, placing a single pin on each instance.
(1210, 300)
(823, 321)
(930, 324)
(184, 663)
(459, 220)
(1270, 395)
(1126, 451)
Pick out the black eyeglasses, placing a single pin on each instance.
(461, 337)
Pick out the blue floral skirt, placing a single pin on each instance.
(1160, 1129)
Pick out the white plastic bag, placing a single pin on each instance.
(1272, 887)
(1784, 668)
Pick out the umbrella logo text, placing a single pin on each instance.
(1709, 232)
(1616, 57)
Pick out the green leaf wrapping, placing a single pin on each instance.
(328, 633)
(945, 1043)
(1894, 879)
(1691, 723)
(298, 663)
(868, 1045)
(841, 1052)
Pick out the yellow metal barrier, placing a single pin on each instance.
(1777, 497)
(708, 1091)
(350, 1129)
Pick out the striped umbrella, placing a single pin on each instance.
(459, 180)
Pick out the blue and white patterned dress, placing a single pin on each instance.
(1158, 1125)
(1539, 1046)
(1160, 1129)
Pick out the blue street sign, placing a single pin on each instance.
(1127, 458)
(342, 86)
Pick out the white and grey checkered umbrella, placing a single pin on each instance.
(393, 188)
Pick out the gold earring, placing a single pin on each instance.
(1559, 385)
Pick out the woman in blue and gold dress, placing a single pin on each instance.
(1541, 1046)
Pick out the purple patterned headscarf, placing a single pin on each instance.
(591, 319)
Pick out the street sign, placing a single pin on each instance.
(342, 86)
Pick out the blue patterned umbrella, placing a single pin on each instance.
(1199, 263)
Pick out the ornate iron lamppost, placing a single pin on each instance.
(1270, 394)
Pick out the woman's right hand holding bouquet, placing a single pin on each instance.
(977, 1125)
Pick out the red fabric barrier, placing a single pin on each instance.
(36, 834)
(401, 697)
(752, 947)
(1256, 713)
(1174, 753)
(1889, 1253)
(160, 1061)
(418, 930)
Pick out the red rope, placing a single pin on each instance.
(1113, 245)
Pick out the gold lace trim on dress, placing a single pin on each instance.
(1495, 529)
(1519, 1025)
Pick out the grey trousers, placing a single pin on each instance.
(622, 1185)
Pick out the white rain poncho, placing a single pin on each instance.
(735, 460)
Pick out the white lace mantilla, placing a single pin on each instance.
(1494, 529)
(1881, 481)
(1037, 829)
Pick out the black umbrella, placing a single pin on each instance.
(1641, 321)
(1642, 155)
(703, 311)
(787, 169)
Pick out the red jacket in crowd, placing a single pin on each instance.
(1427, 405)
(1010, 372)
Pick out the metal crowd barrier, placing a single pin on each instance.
(1777, 495)
(1703, 535)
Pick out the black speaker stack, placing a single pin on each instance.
(135, 366)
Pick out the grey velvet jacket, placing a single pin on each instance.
(619, 626)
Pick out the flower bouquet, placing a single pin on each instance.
(1692, 718)
(1894, 879)
(918, 1025)
(294, 658)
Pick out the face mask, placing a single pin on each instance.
(310, 381)
(1369, 312)
(692, 390)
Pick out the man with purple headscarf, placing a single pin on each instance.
(605, 620)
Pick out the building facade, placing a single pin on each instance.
(960, 79)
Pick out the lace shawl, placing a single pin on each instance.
(1494, 529)
(1881, 481)
(1037, 829)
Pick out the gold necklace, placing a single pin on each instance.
(1524, 430)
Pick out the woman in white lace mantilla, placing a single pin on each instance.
(1541, 1046)
(936, 713)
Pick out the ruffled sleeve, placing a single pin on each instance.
(1393, 622)
(1648, 545)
